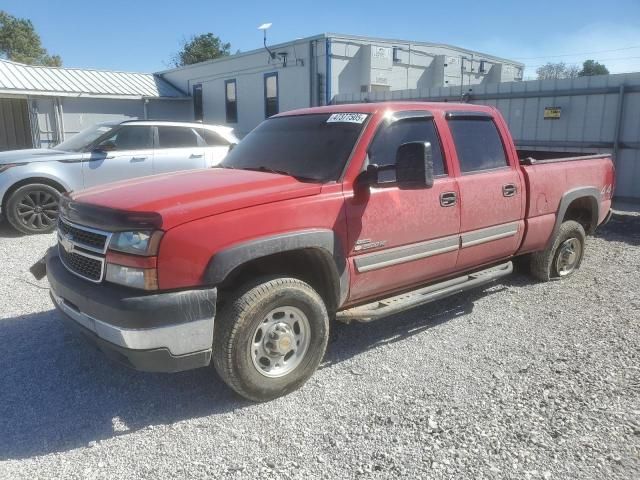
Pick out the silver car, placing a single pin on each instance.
(31, 181)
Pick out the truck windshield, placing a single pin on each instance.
(83, 139)
(313, 147)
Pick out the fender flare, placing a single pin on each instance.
(32, 178)
(227, 260)
(592, 193)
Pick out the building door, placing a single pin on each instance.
(15, 128)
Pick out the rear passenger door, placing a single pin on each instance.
(403, 236)
(177, 148)
(491, 193)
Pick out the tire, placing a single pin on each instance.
(255, 329)
(547, 265)
(33, 208)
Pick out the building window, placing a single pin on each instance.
(231, 101)
(396, 54)
(198, 112)
(270, 94)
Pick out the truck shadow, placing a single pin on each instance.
(7, 231)
(623, 227)
(58, 393)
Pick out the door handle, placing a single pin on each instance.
(138, 159)
(196, 155)
(448, 199)
(509, 190)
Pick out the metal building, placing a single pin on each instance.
(243, 89)
(40, 106)
(597, 114)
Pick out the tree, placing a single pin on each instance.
(556, 71)
(591, 67)
(201, 48)
(19, 42)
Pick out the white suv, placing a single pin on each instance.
(31, 181)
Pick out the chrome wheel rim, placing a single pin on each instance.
(568, 256)
(280, 342)
(37, 210)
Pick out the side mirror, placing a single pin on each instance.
(414, 165)
(106, 147)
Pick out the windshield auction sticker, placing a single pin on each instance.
(347, 117)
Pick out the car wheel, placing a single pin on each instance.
(33, 208)
(270, 338)
(564, 256)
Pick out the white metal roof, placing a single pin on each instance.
(20, 79)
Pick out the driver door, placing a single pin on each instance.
(399, 236)
(128, 153)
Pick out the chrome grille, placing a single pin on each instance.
(82, 250)
(88, 267)
(85, 237)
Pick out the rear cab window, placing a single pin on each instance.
(478, 143)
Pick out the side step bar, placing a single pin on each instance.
(405, 301)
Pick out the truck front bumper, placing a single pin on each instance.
(155, 332)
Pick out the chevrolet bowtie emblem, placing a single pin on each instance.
(66, 243)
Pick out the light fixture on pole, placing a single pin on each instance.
(264, 27)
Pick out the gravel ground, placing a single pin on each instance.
(521, 380)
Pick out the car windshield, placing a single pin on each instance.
(82, 140)
(312, 147)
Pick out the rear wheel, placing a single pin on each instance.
(33, 208)
(270, 338)
(564, 256)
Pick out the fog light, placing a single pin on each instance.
(143, 278)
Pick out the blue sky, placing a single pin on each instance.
(142, 35)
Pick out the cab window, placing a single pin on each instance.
(385, 145)
(478, 144)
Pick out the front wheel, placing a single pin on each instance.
(270, 337)
(33, 208)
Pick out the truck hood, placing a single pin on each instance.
(185, 196)
(36, 155)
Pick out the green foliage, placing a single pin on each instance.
(558, 70)
(19, 42)
(591, 67)
(201, 48)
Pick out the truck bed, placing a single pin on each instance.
(549, 180)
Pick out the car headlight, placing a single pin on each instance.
(7, 166)
(136, 243)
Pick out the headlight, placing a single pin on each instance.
(7, 166)
(143, 278)
(136, 243)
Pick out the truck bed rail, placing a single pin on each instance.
(533, 161)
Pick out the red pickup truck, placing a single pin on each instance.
(349, 212)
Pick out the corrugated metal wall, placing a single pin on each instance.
(15, 128)
(598, 114)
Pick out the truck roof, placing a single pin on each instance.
(381, 106)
